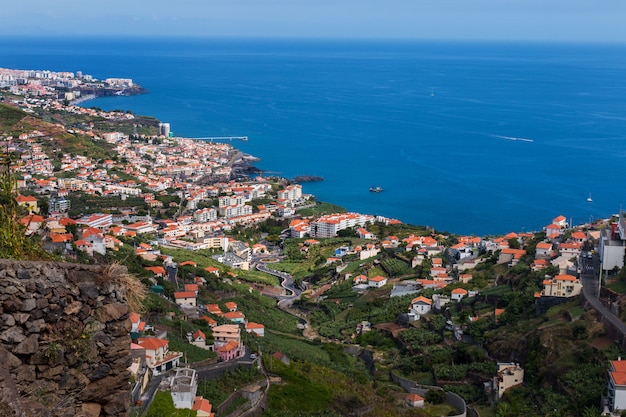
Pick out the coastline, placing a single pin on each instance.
(82, 99)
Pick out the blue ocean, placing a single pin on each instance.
(481, 138)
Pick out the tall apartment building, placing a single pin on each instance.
(329, 225)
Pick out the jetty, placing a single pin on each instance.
(230, 138)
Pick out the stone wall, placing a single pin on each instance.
(64, 340)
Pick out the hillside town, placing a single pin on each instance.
(198, 231)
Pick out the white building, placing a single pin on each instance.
(617, 386)
(612, 242)
(183, 387)
(291, 192)
(509, 375)
(329, 225)
(420, 305)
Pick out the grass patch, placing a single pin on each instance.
(10, 116)
(261, 309)
(178, 344)
(217, 390)
(322, 209)
(497, 291)
(617, 286)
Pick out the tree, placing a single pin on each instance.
(15, 244)
(514, 243)
(435, 396)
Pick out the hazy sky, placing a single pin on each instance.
(551, 20)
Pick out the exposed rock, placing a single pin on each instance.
(98, 389)
(112, 312)
(91, 409)
(42, 303)
(12, 335)
(50, 373)
(21, 318)
(29, 304)
(116, 406)
(35, 326)
(7, 320)
(63, 341)
(28, 346)
(100, 371)
(73, 308)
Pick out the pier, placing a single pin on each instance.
(230, 138)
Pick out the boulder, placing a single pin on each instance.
(91, 409)
(112, 312)
(28, 346)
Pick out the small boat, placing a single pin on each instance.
(589, 199)
(376, 189)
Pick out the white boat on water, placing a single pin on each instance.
(376, 189)
(589, 199)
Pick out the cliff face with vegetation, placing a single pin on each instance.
(64, 339)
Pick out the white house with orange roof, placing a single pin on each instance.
(465, 278)
(438, 271)
(511, 256)
(561, 286)
(616, 397)
(231, 306)
(377, 281)
(202, 407)
(235, 317)
(420, 305)
(359, 279)
(544, 249)
(33, 222)
(415, 400)
(96, 238)
(158, 271)
(457, 294)
(553, 231)
(214, 309)
(560, 221)
(255, 328)
(136, 325)
(578, 236)
(29, 202)
(539, 264)
(158, 356)
(185, 298)
(570, 249)
(212, 270)
(84, 246)
(363, 233)
(192, 288)
(212, 323)
(198, 338)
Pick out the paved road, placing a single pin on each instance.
(590, 278)
(287, 282)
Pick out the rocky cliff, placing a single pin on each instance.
(64, 339)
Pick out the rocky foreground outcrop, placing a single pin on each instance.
(64, 340)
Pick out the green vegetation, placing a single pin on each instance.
(9, 118)
(219, 389)
(15, 243)
(163, 405)
(321, 209)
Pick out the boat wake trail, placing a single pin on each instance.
(513, 138)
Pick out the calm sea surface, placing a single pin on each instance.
(466, 137)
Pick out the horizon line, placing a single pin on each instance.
(291, 39)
